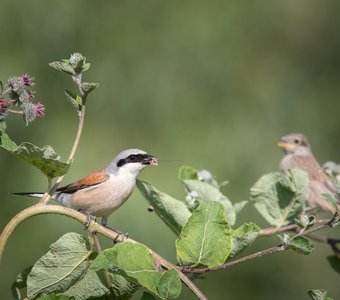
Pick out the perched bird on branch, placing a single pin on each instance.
(102, 192)
(298, 154)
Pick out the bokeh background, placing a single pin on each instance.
(209, 84)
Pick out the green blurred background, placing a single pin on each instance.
(210, 84)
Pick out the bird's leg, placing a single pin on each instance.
(88, 217)
(124, 235)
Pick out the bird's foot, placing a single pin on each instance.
(121, 235)
(88, 217)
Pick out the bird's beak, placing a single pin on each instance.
(285, 145)
(150, 160)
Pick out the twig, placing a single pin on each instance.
(52, 190)
(18, 112)
(39, 209)
(274, 230)
(291, 227)
(93, 237)
(236, 261)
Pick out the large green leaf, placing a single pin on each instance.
(64, 269)
(242, 237)
(206, 237)
(173, 212)
(45, 159)
(135, 261)
(207, 192)
(280, 198)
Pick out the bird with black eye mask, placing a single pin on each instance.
(298, 154)
(102, 192)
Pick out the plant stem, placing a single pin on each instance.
(40, 208)
(97, 246)
(18, 112)
(235, 261)
(52, 190)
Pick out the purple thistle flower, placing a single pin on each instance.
(4, 105)
(27, 80)
(39, 110)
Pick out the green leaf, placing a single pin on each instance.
(207, 192)
(169, 285)
(305, 221)
(334, 262)
(280, 198)
(88, 87)
(319, 295)
(55, 297)
(74, 99)
(206, 237)
(45, 159)
(133, 259)
(20, 283)
(63, 66)
(86, 66)
(64, 269)
(242, 237)
(187, 172)
(300, 244)
(89, 285)
(173, 212)
(2, 127)
(6, 143)
(123, 287)
(190, 173)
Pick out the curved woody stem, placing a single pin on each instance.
(40, 208)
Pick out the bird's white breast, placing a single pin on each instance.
(105, 198)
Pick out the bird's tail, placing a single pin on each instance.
(30, 194)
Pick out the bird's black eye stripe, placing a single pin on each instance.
(133, 158)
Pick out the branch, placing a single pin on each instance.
(52, 190)
(96, 244)
(40, 208)
(236, 261)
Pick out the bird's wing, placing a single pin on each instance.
(317, 176)
(309, 165)
(88, 181)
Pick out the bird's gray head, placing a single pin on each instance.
(295, 143)
(131, 162)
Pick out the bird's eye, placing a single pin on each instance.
(296, 141)
(132, 157)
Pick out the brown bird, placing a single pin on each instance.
(298, 154)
